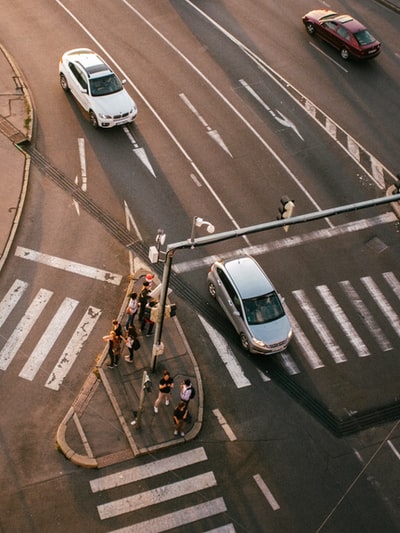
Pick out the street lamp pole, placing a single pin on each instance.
(158, 346)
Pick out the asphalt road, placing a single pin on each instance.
(223, 141)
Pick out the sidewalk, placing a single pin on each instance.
(97, 430)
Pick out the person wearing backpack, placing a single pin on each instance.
(187, 392)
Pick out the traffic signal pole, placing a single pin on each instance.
(158, 347)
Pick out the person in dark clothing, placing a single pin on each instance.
(117, 328)
(180, 414)
(132, 343)
(144, 297)
(164, 390)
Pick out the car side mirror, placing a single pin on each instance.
(123, 82)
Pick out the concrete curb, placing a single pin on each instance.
(29, 121)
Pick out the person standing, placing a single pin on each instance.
(187, 391)
(147, 319)
(131, 310)
(113, 348)
(117, 328)
(144, 297)
(132, 343)
(180, 414)
(164, 390)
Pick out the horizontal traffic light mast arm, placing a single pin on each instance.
(316, 215)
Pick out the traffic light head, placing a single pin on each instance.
(286, 209)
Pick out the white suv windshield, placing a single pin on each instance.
(105, 85)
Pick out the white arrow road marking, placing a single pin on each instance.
(212, 133)
(75, 345)
(227, 356)
(49, 337)
(69, 266)
(138, 151)
(24, 327)
(278, 116)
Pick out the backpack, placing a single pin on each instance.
(192, 392)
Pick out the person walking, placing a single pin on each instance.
(114, 349)
(164, 390)
(132, 343)
(180, 414)
(132, 309)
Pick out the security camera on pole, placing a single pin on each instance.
(285, 210)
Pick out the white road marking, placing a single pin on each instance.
(366, 316)
(382, 303)
(304, 344)
(263, 375)
(48, 339)
(82, 159)
(341, 318)
(319, 325)
(11, 299)
(394, 450)
(327, 57)
(73, 348)
(154, 468)
(181, 518)
(267, 493)
(290, 242)
(277, 115)
(225, 426)
(226, 354)
(68, 266)
(139, 151)
(24, 327)
(289, 364)
(212, 133)
(393, 283)
(157, 495)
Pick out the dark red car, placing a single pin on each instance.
(343, 32)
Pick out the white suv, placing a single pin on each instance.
(96, 87)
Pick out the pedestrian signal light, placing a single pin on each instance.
(285, 210)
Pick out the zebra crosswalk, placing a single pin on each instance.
(33, 309)
(332, 324)
(364, 325)
(151, 499)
